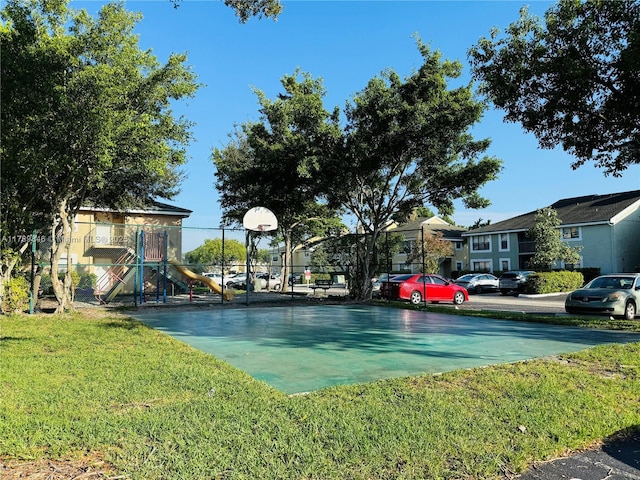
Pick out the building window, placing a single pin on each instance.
(458, 266)
(505, 264)
(457, 245)
(406, 247)
(571, 233)
(481, 265)
(504, 242)
(481, 243)
(525, 244)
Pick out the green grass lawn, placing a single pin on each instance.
(155, 408)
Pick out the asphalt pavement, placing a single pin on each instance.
(550, 303)
(616, 459)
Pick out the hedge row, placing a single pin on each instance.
(554, 282)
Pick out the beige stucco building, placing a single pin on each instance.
(415, 230)
(113, 245)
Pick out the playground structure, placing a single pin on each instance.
(145, 266)
(137, 256)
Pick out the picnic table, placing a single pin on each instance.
(323, 283)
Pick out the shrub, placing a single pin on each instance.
(45, 284)
(75, 277)
(16, 295)
(77, 280)
(317, 276)
(554, 282)
(87, 280)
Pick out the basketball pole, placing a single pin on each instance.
(248, 248)
(258, 219)
(249, 244)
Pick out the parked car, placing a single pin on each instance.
(237, 278)
(376, 283)
(216, 277)
(513, 282)
(240, 282)
(237, 281)
(420, 287)
(271, 281)
(478, 282)
(295, 278)
(615, 295)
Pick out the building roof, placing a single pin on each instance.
(154, 208)
(432, 225)
(165, 208)
(586, 210)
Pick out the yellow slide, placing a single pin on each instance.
(227, 295)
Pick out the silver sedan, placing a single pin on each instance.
(478, 282)
(616, 295)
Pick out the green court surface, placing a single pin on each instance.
(304, 348)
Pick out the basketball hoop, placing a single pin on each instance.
(260, 219)
(257, 219)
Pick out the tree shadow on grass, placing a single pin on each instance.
(128, 324)
(5, 340)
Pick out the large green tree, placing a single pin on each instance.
(97, 128)
(245, 9)
(572, 79)
(407, 144)
(26, 99)
(274, 163)
(549, 248)
(210, 253)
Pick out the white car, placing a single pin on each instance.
(478, 282)
(216, 277)
(240, 282)
(272, 280)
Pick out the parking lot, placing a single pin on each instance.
(553, 303)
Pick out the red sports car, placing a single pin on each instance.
(419, 287)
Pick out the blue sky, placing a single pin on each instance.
(346, 43)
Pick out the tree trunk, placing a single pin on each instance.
(37, 279)
(60, 241)
(360, 281)
(286, 263)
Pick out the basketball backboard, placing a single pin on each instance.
(260, 219)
